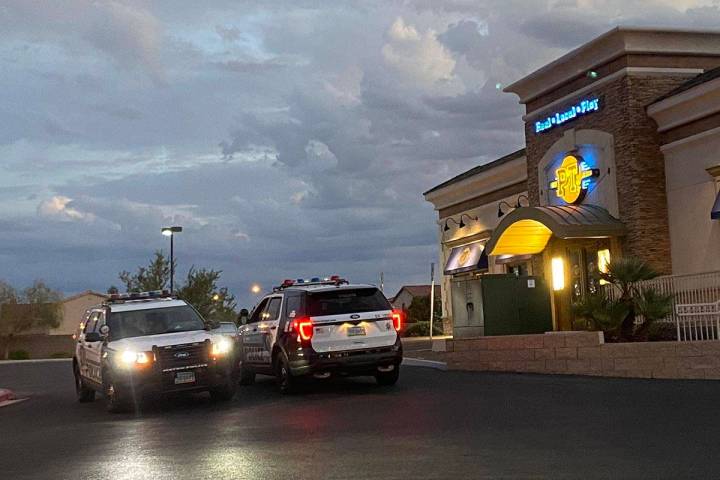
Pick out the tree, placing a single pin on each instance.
(419, 310)
(618, 317)
(201, 291)
(156, 276)
(37, 307)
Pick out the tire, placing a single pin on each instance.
(116, 400)
(286, 383)
(247, 377)
(388, 378)
(225, 392)
(84, 394)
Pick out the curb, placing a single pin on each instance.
(38, 360)
(418, 362)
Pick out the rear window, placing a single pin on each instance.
(338, 302)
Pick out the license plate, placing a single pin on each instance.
(184, 377)
(355, 331)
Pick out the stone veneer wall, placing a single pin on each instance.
(639, 163)
(583, 353)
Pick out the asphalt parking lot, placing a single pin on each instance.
(433, 424)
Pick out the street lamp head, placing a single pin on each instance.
(169, 231)
(255, 289)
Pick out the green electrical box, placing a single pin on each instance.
(515, 305)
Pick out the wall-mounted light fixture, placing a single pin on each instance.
(500, 212)
(518, 204)
(558, 273)
(460, 224)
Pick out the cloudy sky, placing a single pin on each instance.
(289, 138)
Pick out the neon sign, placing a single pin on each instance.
(572, 179)
(558, 118)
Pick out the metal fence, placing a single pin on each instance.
(698, 321)
(693, 299)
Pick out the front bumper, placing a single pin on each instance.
(155, 381)
(345, 363)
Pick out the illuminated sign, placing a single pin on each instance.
(572, 179)
(558, 118)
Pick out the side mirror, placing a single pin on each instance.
(243, 316)
(93, 337)
(104, 330)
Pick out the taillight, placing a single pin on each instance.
(397, 316)
(303, 327)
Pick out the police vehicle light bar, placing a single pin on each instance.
(121, 297)
(332, 280)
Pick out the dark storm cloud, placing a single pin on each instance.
(289, 138)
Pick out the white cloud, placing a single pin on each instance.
(60, 208)
(418, 56)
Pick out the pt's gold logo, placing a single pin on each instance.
(464, 256)
(572, 179)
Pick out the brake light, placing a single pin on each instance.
(303, 327)
(397, 316)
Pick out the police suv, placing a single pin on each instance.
(149, 343)
(321, 328)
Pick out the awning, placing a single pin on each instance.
(527, 230)
(715, 214)
(466, 258)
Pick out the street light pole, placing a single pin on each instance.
(170, 232)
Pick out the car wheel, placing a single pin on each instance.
(247, 377)
(116, 400)
(225, 392)
(84, 394)
(388, 378)
(285, 381)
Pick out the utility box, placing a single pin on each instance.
(500, 305)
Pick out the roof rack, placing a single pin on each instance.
(131, 296)
(300, 282)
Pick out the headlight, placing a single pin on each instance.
(130, 357)
(221, 347)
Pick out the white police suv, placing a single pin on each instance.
(148, 343)
(321, 328)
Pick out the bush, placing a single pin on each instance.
(61, 355)
(422, 329)
(19, 355)
(662, 332)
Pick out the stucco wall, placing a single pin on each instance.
(584, 353)
(691, 191)
(73, 312)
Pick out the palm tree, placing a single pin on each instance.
(617, 316)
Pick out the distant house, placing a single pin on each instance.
(73, 310)
(408, 293)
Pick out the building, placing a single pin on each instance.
(73, 311)
(405, 296)
(620, 158)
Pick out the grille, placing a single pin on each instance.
(177, 357)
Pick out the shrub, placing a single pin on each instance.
(422, 329)
(19, 355)
(61, 355)
(662, 332)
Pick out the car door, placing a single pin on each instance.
(90, 351)
(268, 328)
(250, 338)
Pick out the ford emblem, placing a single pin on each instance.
(355, 316)
(182, 355)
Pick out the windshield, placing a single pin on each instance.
(139, 323)
(338, 302)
